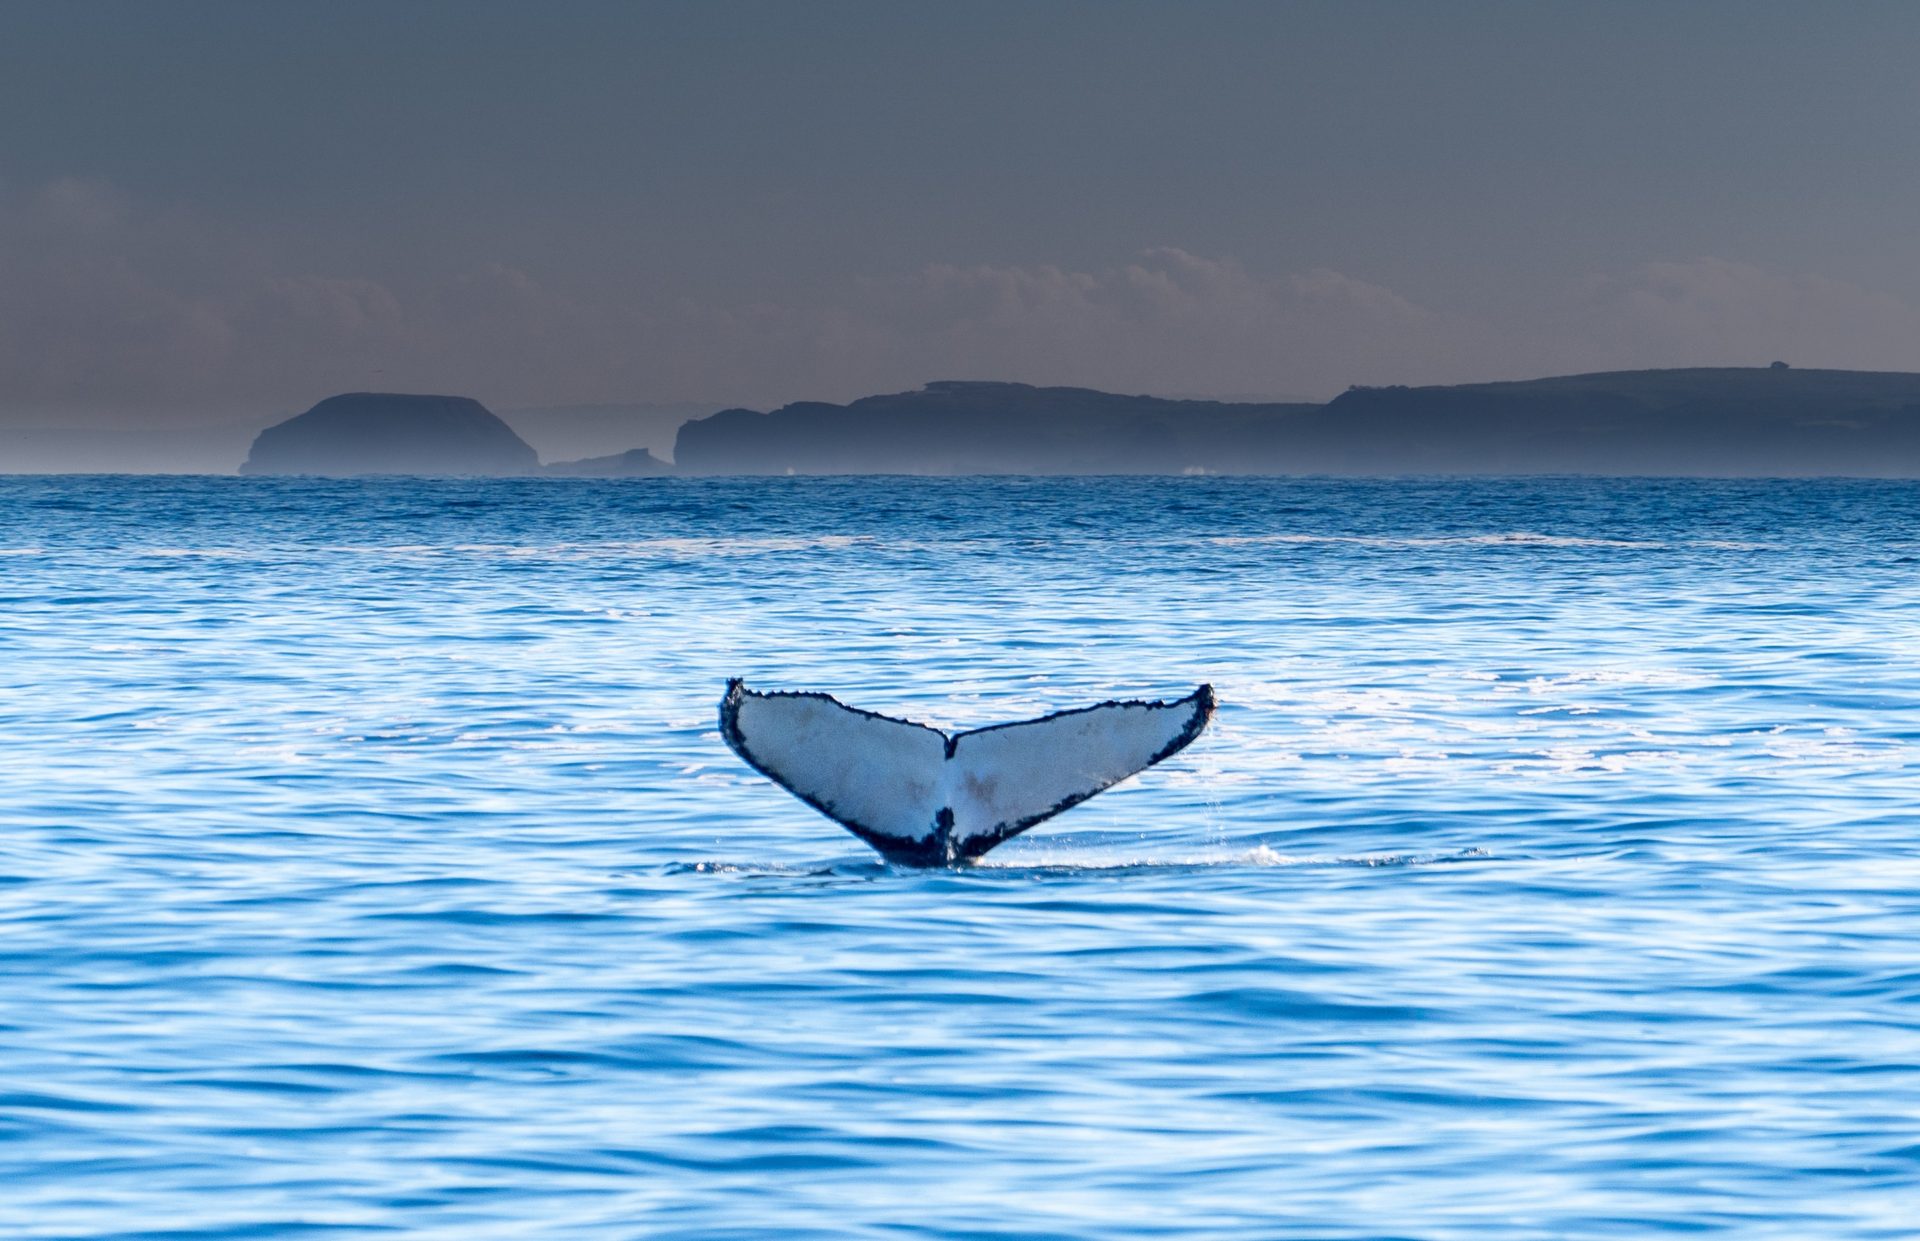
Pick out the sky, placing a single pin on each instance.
(216, 212)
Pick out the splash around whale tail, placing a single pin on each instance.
(926, 798)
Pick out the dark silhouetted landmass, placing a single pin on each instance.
(634, 463)
(1767, 421)
(392, 433)
(977, 428)
(572, 432)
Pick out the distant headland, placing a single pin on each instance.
(1759, 421)
(1762, 421)
(406, 433)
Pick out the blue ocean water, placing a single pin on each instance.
(370, 863)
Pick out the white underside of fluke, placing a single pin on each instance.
(920, 796)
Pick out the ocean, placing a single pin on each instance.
(371, 864)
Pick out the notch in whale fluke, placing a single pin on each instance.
(925, 798)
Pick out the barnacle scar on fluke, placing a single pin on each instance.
(924, 798)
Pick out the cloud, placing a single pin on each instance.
(111, 313)
(104, 306)
(1169, 321)
(81, 316)
(114, 310)
(1716, 312)
(76, 204)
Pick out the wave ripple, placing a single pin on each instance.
(370, 866)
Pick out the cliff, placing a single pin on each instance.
(392, 433)
(1770, 421)
(974, 428)
(1700, 421)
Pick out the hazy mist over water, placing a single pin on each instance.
(369, 862)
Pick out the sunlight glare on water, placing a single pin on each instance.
(370, 862)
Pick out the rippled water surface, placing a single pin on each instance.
(370, 863)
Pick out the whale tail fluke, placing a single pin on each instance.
(924, 798)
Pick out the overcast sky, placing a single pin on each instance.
(213, 211)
